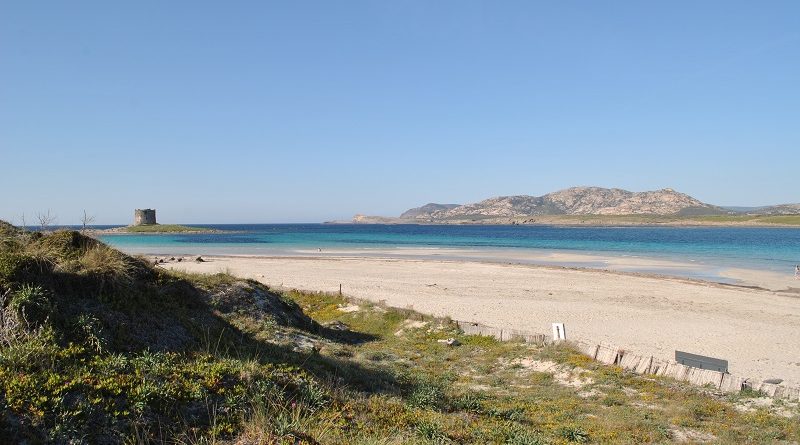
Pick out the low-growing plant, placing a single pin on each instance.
(32, 304)
(89, 328)
(17, 267)
(614, 398)
(313, 395)
(426, 394)
(470, 402)
(574, 433)
(522, 437)
(431, 432)
(512, 414)
(34, 350)
(704, 409)
(748, 393)
(479, 340)
(13, 326)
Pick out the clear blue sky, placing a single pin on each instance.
(307, 111)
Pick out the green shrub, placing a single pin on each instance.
(83, 396)
(513, 414)
(471, 402)
(706, 408)
(431, 432)
(88, 328)
(33, 351)
(427, 395)
(15, 267)
(31, 303)
(614, 398)
(521, 437)
(574, 434)
(62, 245)
(479, 340)
(313, 395)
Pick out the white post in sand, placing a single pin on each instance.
(559, 333)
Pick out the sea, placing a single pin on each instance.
(712, 249)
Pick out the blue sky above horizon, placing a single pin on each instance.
(309, 111)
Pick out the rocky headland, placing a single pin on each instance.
(588, 205)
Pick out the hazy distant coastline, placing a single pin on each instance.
(602, 220)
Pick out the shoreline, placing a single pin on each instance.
(754, 328)
(789, 291)
(636, 265)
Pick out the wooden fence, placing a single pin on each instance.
(643, 364)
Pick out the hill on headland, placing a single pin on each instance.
(580, 201)
(427, 209)
(602, 204)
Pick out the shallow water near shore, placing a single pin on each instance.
(693, 252)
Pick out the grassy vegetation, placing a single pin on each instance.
(99, 347)
(164, 228)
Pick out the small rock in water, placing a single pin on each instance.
(172, 259)
(180, 259)
(200, 259)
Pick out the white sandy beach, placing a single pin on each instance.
(756, 329)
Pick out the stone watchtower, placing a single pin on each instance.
(144, 217)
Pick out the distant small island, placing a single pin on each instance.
(160, 228)
(144, 221)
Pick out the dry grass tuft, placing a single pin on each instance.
(105, 261)
(12, 325)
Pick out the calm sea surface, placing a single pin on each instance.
(773, 249)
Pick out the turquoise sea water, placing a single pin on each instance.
(773, 249)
